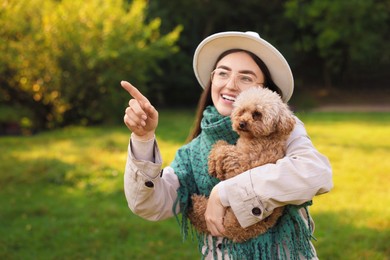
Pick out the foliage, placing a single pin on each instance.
(341, 33)
(61, 192)
(64, 59)
(15, 120)
(327, 43)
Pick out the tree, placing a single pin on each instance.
(341, 34)
(64, 59)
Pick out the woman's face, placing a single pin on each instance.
(237, 69)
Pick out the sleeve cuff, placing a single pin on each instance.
(143, 150)
(222, 194)
(247, 207)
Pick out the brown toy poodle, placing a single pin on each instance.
(264, 124)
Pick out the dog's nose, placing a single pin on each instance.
(242, 125)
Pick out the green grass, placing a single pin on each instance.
(61, 192)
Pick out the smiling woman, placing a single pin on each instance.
(226, 64)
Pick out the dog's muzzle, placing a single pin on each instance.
(242, 125)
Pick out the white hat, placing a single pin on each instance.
(208, 51)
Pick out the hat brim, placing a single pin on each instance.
(213, 46)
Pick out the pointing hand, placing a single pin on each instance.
(140, 116)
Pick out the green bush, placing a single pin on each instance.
(15, 120)
(64, 60)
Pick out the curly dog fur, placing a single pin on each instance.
(264, 124)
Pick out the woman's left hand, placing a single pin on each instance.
(214, 214)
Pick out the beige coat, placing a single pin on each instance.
(295, 179)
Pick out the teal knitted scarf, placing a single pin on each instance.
(190, 165)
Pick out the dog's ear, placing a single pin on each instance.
(286, 121)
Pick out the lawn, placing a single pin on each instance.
(61, 192)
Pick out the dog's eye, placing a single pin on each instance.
(256, 115)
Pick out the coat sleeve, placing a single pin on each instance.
(150, 192)
(294, 179)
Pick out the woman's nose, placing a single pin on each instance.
(231, 84)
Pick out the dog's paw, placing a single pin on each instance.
(215, 160)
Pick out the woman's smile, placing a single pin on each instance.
(228, 98)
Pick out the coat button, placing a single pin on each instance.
(149, 184)
(256, 211)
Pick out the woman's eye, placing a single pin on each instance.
(246, 79)
(223, 74)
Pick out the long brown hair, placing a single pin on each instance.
(205, 99)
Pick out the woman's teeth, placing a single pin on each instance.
(230, 98)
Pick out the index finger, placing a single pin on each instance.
(134, 92)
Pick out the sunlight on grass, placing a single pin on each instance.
(356, 210)
(357, 152)
(61, 192)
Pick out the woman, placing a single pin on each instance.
(226, 64)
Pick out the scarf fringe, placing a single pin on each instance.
(289, 239)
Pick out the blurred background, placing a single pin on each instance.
(63, 146)
(61, 61)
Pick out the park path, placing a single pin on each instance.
(354, 108)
